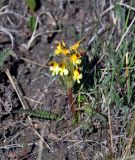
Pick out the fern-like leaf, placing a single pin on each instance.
(40, 114)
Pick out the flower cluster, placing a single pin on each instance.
(70, 61)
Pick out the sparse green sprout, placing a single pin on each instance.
(32, 23)
(31, 4)
(3, 56)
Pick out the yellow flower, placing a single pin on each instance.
(75, 58)
(75, 46)
(54, 67)
(77, 75)
(63, 70)
(61, 48)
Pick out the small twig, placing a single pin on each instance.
(32, 100)
(41, 144)
(15, 88)
(110, 126)
(33, 62)
(127, 70)
(11, 146)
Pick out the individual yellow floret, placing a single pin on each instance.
(54, 67)
(77, 75)
(75, 46)
(61, 48)
(63, 70)
(75, 58)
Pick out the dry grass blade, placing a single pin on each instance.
(41, 147)
(110, 127)
(112, 6)
(125, 34)
(5, 31)
(127, 70)
(33, 62)
(3, 3)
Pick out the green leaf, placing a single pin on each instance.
(32, 23)
(31, 4)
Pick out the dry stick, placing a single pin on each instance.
(127, 70)
(13, 84)
(18, 94)
(110, 127)
(33, 62)
(32, 100)
(41, 144)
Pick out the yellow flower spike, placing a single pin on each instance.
(77, 75)
(54, 67)
(63, 70)
(75, 58)
(61, 48)
(75, 46)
